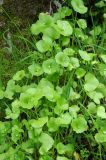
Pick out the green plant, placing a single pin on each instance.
(56, 104)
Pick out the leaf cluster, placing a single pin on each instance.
(61, 96)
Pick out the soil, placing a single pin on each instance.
(26, 11)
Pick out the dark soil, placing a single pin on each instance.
(26, 11)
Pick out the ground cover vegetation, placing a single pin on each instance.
(54, 108)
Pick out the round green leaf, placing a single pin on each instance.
(47, 89)
(92, 108)
(47, 143)
(73, 110)
(102, 69)
(43, 46)
(84, 55)
(69, 148)
(96, 31)
(79, 125)
(74, 62)
(78, 6)
(15, 112)
(52, 33)
(80, 34)
(35, 69)
(46, 19)
(80, 72)
(19, 75)
(53, 124)
(100, 4)
(60, 148)
(104, 15)
(96, 96)
(100, 137)
(37, 28)
(62, 13)
(101, 112)
(65, 119)
(73, 95)
(101, 88)
(62, 59)
(38, 123)
(16, 133)
(47, 39)
(65, 27)
(50, 66)
(30, 98)
(91, 82)
(65, 41)
(69, 51)
(62, 105)
(28, 146)
(10, 89)
(82, 23)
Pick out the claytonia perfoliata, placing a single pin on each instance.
(78, 6)
(101, 112)
(50, 66)
(80, 72)
(19, 75)
(79, 124)
(54, 107)
(30, 98)
(100, 137)
(43, 46)
(65, 27)
(35, 69)
(38, 123)
(91, 82)
(84, 55)
(62, 149)
(47, 143)
(16, 133)
(82, 23)
(62, 59)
